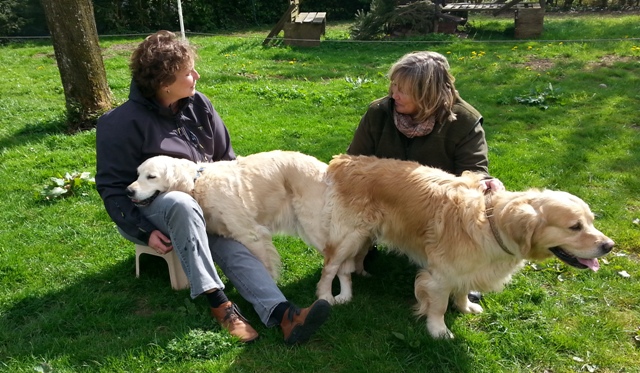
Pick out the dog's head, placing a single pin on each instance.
(161, 174)
(553, 223)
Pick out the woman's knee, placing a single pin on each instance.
(180, 203)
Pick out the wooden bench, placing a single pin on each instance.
(300, 29)
(305, 29)
(529, 16)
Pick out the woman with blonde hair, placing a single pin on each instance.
(424, 119)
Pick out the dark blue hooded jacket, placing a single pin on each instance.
(140, 129)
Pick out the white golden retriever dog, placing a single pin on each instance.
(462, 238)
(251, 199)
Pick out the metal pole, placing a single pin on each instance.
(181, 21)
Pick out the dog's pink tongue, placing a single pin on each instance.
(593, 264)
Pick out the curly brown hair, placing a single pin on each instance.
(156, 60)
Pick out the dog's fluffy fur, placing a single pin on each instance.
(439, 221)
(248, 199)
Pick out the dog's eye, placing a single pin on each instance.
(576, 227)
(151, 177)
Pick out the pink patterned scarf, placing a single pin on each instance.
(406, 125)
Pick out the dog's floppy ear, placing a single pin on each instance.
(521, 220)
(180, 175)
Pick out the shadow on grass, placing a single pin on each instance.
(112, 319)
(32, 132)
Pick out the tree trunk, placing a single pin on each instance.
(75, 42)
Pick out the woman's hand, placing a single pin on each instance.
(160, 243)
(493, 184)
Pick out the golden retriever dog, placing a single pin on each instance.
(462, 238)
(249, 199)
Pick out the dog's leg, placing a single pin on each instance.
(344, 275)
(433, 298)
(334, 259)
(464, 305)
(359, 260)
(329, 271)
(260, 242)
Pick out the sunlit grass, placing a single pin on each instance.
(69, 299)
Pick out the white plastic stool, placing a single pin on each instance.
(176, 273)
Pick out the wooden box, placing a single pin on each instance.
(529, 23)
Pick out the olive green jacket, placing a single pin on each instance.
(453, 146)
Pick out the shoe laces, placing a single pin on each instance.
(292, 312)
(232, 313)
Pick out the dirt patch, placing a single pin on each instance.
(607, 61)
(538, 64)
(143, 308)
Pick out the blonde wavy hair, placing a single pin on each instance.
(425, 77)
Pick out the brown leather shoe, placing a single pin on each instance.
(229, 316)
(298, 325)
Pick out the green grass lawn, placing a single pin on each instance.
(560, 113)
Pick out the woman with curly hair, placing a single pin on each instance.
(166, 115)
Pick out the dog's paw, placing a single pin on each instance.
(363, 273)
(470, 307)
(328, 297)
(440, 332)
(342, 299)
(475, 308)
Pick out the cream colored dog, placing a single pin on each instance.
(444, 223)
(248, 199)
(252, 198)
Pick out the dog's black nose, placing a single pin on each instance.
(607, 246)
(130, 192)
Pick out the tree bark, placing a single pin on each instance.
(75, 42)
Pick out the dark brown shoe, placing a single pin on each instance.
(229, 316)
(298, 325)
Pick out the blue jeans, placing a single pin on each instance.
(178, 215)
